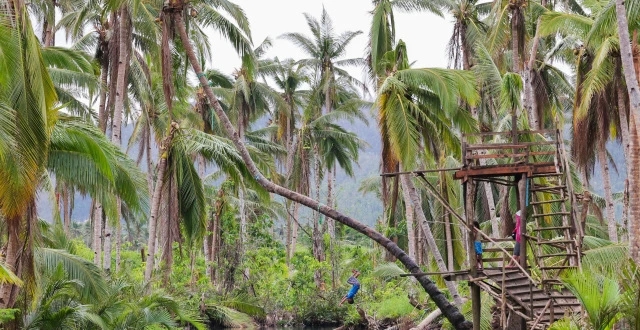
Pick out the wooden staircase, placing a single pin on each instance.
(539, 307)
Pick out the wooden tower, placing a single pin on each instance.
(535, 164)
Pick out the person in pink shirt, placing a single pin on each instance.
(516, 235)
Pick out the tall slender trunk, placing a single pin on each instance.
(410, 214)
(48, 35)
(66, 209)
(530, 101)
(612, 224)
(318, 246)
(291, 222)
(505, 214)
(121, 92)
(451, 312)
(625, 138)
(331, 181)
(431, 241)
(170, 234)
(633, 89)
(294, 230)
(155, 202)
(633, 198)
(11, 259)
(97, 233)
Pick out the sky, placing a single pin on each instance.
(425, 34)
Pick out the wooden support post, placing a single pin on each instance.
(469, 188)
(522, 197)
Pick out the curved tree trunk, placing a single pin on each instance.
(451, 312)
(633, 89)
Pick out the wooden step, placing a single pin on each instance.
(550, 214)
(522, 291)
(556, 267)
(556, 255)
(545, 188)
(497, 250)
(495, 259)
(551, 228)
(544, 175)
(559, 241)
(549, 201)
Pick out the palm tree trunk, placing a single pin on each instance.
(318, 248)
(11, 259)
(66, 209)
(625, 139)
(451, 312)
(331, 181)
(612, 224)
(530, 101)
(121, 90)
(97, 233)
(634, 198)
(431, 241)
(633, 89)
(155, 202)
(409, 212)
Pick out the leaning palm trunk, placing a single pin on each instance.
(431, 241)
(451, 312)
(155, 202)
(633, 89)
(612, 225)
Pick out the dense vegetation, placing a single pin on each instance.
(202, 225)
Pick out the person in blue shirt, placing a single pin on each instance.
(355, 286)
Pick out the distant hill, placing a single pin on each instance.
(364, 208)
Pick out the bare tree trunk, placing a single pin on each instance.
(410, 213)
(331, 181)
(505, 214)
(11, 259)
(97, 233)
(243, 219)
(530, 101)
(633, 89)
(451, 312)
(431, 241)
(634, 198)
(625, 139)
(318, 246)
(612, 224)
(121, 92)
(294, 230)
(155, 202)
(291, 223)
(118, 243)
(66, 210)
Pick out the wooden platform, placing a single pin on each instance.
(489, 171)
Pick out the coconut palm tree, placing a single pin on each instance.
(48, 141)
(326, 51)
